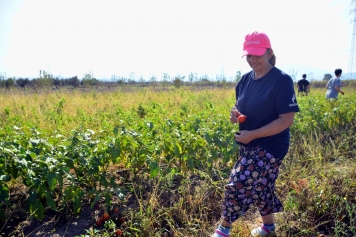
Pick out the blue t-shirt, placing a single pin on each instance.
(262, 101)
(331, 91)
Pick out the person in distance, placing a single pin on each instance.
(334, 86)
(303, 85)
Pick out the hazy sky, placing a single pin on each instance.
(116, 37)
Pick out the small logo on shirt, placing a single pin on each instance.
(294, 101)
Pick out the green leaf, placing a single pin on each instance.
(67, 193)
(177, 149)
(115, 152)
(108, 198)
(60, 180)
(207, 138)
(50, 201)
(33, 197)
(37, 209)
(22, 163)
(4, 195)
(77, 204)
(190, 162)
(69, 162)
(201, 142)
(51, 180)
(8, 151)
(154, 168)
(103, 181)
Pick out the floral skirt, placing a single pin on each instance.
(252, 181)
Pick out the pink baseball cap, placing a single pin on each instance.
(256, 43)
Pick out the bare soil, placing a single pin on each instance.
(53, 225)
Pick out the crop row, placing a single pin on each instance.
(59, 170)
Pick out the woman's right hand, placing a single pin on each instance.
(234, 114)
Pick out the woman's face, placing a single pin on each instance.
(258, 63)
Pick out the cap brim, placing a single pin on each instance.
(254, 51)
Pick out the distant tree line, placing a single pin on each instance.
(46, 80)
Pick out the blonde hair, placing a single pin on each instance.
(272, 59)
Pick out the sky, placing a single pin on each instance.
(148, 38)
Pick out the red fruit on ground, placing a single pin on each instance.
(99, 222)
(118, 232)
(106, 216)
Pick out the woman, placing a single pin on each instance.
(267, 98)
(333, 86)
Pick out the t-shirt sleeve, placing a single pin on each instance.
(338, 83)
(285, 99)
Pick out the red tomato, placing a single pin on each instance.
(118, 232)
(99, 222)
(116, 210)
(106, 216)
(242, 118)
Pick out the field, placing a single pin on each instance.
(153, 162)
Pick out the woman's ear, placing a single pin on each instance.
(271, 57)
(270, 53)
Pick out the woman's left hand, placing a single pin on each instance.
(244, 137)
